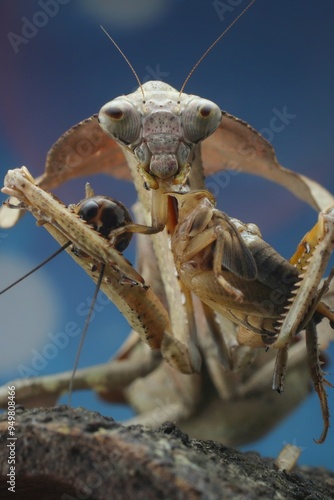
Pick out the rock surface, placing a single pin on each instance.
(72, 453)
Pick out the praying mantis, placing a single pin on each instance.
(217, 150)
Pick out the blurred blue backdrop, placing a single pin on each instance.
(280, 54)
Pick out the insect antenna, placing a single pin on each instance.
(48, 259)
(215, 43)
(126, 60)
(84, 332)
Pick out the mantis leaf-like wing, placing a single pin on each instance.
(235, 145)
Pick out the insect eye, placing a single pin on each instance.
(200, 119)
(121, 120)
(105, 214)
(88, 210)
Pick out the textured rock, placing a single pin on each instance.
(65, 453)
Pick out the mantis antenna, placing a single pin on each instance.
(215, 43)
(83, 334)
(37, 267)
(126, 60)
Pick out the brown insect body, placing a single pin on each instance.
(252, 282)
(231, 269)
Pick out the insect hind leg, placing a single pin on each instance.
(317, 375)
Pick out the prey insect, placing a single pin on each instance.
(157, 132)
(233, 271)
(91, 249)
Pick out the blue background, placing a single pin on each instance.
(279, 54)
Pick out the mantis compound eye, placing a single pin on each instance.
(121, 120)
(105, 214)
(200, 119)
